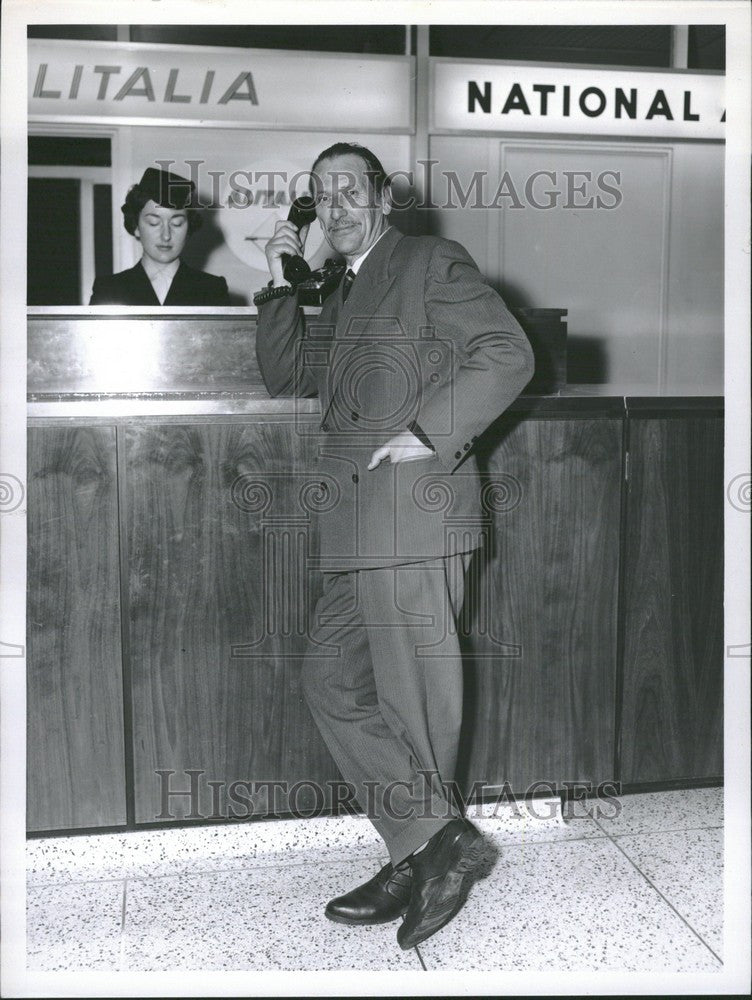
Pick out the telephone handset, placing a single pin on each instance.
(311, 287)
(302, 213)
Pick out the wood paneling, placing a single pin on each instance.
(217, 540)
(75, 774)
(540, 696)
(216, 534)
(672, 722)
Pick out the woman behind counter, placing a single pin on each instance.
(160, 213)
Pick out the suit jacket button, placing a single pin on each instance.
(325, 427)
(354, 415)
(458, 454)
(465, 446)
(355, 478)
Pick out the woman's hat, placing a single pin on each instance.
(166, 189)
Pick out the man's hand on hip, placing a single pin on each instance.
(404, 447)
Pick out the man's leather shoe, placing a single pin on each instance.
(440, 880)
(381, 899)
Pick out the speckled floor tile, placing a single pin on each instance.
(187, 850)
(649, 812)
(687, 867)
(252, 920)
(532, 821)
(74, 927)
(577, 905)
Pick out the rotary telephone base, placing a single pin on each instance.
(321, 283)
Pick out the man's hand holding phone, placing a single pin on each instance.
(287, 240)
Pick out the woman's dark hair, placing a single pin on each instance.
(374, 168)
(135, 200)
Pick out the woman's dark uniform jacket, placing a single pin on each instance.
(189, 287)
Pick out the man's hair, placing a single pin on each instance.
(134, 204)
(374, 168)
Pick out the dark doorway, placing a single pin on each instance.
(54, 242)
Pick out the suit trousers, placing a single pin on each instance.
(382, 676)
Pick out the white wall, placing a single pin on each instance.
(643, 281)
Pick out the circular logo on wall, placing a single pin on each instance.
(254, 200)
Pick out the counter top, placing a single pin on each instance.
(584, 400)
(121, 364)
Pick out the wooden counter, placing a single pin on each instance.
(592, 630)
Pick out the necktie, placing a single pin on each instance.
(347, 283)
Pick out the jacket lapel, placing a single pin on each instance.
(144, 293)
(355, 316)
(370, 287)
(181, 288)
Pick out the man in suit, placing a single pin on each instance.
(160, 213)
(412, 357)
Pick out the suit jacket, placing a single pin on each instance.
(132, 288)
(421, 338)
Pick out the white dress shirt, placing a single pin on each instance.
(356, 264)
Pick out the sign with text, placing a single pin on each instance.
(506, 97)
(250, 88)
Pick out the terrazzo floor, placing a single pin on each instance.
(637, 891)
